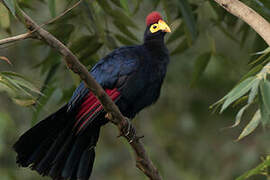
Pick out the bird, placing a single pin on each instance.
(62, 146)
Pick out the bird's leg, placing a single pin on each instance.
(129, 131)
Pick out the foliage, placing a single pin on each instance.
(19, 88)
(204, 35)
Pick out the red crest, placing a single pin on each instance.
(152, 18)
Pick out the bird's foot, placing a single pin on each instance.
(129, 132)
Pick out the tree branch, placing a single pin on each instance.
(252, 18)
(142, 160)
(15, 38)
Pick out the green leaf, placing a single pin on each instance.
(251, 125)
(17, 86)
(124, 4)
(200, 65)
(86, 46)
(24, 102)
(4, 17)
(265, 114)
(220, 12)
(117, 14)
(257, 170)
(137, 7)
(51, 4)
(125, 30)
(165, 5)
(265, 51)
(123, 40)
(265, 92)
(189, 18)
(122, 18)
(63, 32)
(11, 6)
(254, 91)
(225, 31)
(252, 72)
(178, 32)
(42, 102)
(85, 55)
(239, 115)
(83, 42)
(7, 87)
(245, 29)
(105, 6)
(117, 3)
(181, 47)
(238, 91)
(111, 42)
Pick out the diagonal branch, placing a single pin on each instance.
(252, 18)
(143, 161)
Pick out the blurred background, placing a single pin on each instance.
(210, 53)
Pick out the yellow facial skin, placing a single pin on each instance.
(161, 25)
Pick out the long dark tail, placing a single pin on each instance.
(53, 148)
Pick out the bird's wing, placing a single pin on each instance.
(107, 72)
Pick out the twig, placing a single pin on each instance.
(252, 18)
(16, 38)
(29, 34)
(62, 14)
(143, 161)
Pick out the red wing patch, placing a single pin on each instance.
(91, 107)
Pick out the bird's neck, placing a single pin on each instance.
(154, 44)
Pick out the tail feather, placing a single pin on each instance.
(86, 163)
(54, 148)
(30, 141)
(47, 161)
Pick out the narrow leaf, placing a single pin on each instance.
(123, 40)
(241, 89)
(200, 65)
(178, 32)
(181, 47)
(220, 12)
(251, 125)
(254, 91)
(4, 17)
(257, 170)
(11, 6)
(265, 51)
(51, 4)
(123, 18)
(265, 114)
(24, 102)
(239, 115)
(124, 4)
(188, 18)
(252, 72)
(125, 30)
(265, 92)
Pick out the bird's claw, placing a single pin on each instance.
(129, 132)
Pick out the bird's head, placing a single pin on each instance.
(156, 27)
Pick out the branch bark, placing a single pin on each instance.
(143, 162)
(15, 38)
(252, 18)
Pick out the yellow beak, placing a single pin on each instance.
(163, 26)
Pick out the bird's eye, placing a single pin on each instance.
(154, 28)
